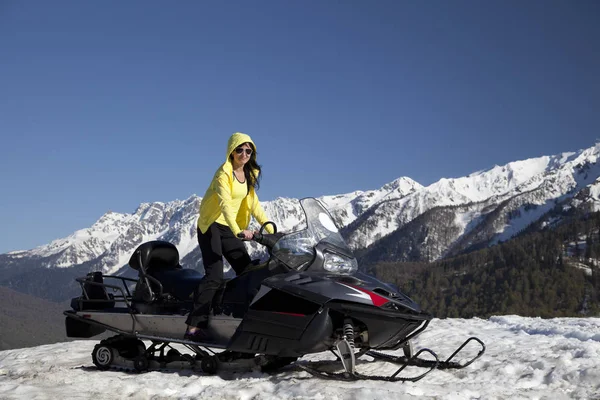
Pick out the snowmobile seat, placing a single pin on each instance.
(160, 260)
(156, 254)
(179, 283)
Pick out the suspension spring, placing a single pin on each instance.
(349, 332)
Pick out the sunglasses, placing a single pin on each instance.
(240, 150)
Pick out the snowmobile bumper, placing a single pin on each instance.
(77, 328)
(388, 329)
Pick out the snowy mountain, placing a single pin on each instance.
(482, 209)
(526, 358)
(400, 221)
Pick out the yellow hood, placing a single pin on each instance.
(236, 140)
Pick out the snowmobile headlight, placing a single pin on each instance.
(339, 264)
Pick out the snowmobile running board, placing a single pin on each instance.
(137, 335)
(179, 341)
(416, 361)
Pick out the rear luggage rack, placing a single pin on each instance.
(95, 296)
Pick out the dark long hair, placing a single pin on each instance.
(250, 168)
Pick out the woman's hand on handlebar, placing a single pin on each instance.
(246, 235)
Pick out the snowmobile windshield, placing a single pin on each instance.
(298, 248)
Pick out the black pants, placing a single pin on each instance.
(217, 242)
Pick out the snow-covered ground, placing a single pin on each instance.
(526, 358)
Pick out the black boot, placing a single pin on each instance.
(199, 335)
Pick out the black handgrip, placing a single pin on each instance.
(255, 236)
(266, 239)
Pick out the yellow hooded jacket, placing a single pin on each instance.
(217, 199)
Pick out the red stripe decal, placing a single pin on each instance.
(377, 300)
(289, 313)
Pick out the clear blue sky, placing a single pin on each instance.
(108, 104)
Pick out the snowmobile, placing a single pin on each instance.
(307, 298)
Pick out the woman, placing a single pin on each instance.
(225, 212)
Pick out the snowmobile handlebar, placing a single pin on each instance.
(266, 239)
